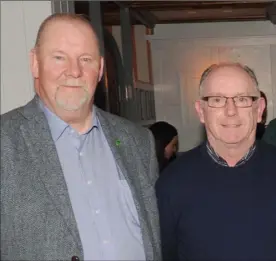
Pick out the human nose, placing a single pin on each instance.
(230, 107)
(74, 69)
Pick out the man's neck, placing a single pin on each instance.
(81, 126)
(232, 153)
(81, 122)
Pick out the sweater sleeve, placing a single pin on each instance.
(167, 223)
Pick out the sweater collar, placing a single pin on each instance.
(219, 160)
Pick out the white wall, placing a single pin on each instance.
(181, 52)
(213, 30)
(19, 24)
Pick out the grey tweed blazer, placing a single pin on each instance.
(37, 219)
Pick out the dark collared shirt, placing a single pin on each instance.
(219, 160)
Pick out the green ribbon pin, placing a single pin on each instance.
(118, 142)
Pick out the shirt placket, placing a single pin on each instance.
(94, 189)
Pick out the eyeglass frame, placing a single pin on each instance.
(253, 99)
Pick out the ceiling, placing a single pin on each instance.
(163, 12)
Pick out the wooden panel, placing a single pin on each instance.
(190, 11)
(149, 58)
(141, 54)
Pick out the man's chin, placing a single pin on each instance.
(232, 142)
(70, 109)
(72, 106)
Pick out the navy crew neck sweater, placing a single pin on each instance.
(217, 213)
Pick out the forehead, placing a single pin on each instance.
(229, 81)
(68, 34)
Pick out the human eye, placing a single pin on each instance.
(216, 99)
(243, 100)
(90, 63)
(59, 57)
(86, 59)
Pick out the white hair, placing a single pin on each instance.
(247, 69)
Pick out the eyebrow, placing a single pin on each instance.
(57, 51)
(237, 94)
(93, 55)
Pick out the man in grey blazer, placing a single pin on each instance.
(76, 182)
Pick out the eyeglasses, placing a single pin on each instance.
(239, 101)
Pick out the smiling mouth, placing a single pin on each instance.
(71, 86)
(231, 125)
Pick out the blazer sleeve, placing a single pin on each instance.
(154, 170)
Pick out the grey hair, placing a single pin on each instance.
(207, 72)
(68, 17)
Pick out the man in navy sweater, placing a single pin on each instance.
(217, 202)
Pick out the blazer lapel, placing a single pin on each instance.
(117, 141)
(45, 158)
(120, 144)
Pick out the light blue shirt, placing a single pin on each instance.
(101, 199)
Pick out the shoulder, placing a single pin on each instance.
(267, 151)
(272, 123)
(123, 125)
(11, 137)
(11, 121)
(139, 140)
(271, 127)
(270, 133)
(187, 159)
(27, 116)
(181, 170)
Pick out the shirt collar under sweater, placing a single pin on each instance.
(219, 160)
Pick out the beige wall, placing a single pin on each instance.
(181, 52)
(19, 24)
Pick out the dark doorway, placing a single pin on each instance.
(110, 89)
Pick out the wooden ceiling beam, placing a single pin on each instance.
(177, 5)
(195, 15)
(185, 11)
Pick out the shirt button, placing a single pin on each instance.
(89, 182)
(81, 153)
(105, 242)
(97, 211)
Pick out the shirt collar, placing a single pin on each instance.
(218, 159)
(58, 126)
